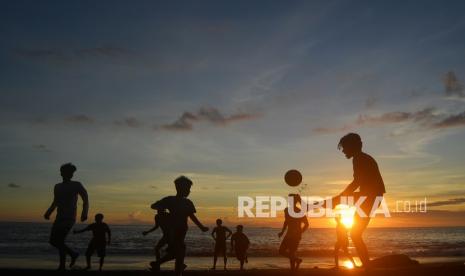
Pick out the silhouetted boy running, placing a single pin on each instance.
(240, 243)
(180, 209)
(342, 242)
(162, 221)
(65, 196)
(290, 243)
(368, 180)
(220, 236)
(98, 242)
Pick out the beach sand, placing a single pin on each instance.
(456, 268)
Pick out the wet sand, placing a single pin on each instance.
(456, 268)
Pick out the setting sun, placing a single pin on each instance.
(346, 214)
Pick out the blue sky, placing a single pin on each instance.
(232, 94)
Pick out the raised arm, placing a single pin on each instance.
(198, 223)
(85, 202)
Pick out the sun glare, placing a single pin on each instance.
(347, 215)
(348, 264)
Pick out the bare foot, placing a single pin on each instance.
(297, 263)
(73, 259)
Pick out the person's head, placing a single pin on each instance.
(219, 222)
(239, 228)
(351, 144)
(67, 171)
(98, 218)
(183, 186)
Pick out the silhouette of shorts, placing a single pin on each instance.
(220, 247)
(60, 230)
(291, 242)
(100, 247)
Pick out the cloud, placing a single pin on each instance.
(129, 122)
(38, 53)
(456, 120)
(183, 123)
(13, 185)
(107, 51)
(135, 216)
(80, 119)
(69, 55)
(426, 118)
(324, 130)
(454, 201)
(41, 148)
(395, 117)
(207, 114)
(452, 86)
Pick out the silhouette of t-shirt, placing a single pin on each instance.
(180, 209)
(367, 175)
(241, 242)
(98, 232)
(163, 221)
(220, 232)
(66, 196)
(294, 224)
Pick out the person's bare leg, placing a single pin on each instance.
(102, 259)
(215, 258)
(346, 251)
(336, 255)
(88, 261)
(242, 264)
(225, 258)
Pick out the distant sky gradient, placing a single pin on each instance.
(231, 94)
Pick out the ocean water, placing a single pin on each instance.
(26, 245)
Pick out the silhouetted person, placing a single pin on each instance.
(240, 243)
(180, 209)
(368, 180)
(161, 221)
(220, 236)
(65, 201)
(98, 242)
(290, 243)
(342, 242)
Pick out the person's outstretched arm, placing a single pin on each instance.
(150, 230)
(351, 188)
(85, 202)
(82, 230)
(198, 223)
